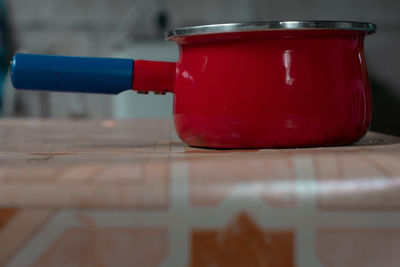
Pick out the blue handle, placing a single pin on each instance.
(71, 74)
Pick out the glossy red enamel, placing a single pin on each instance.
(281, 88)
(153, 76)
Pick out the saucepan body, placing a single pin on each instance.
(261, 85)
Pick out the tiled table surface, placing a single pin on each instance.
(129, 193)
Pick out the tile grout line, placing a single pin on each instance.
(306, 197)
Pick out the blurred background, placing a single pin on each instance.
(135, 29)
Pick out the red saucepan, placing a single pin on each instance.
(241, 85)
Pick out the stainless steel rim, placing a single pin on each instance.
(271, 25)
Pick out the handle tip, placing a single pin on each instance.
(13, 64)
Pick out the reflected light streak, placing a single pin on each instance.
(326, 188)
(287, 62)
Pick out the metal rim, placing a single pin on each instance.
(271, 25)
